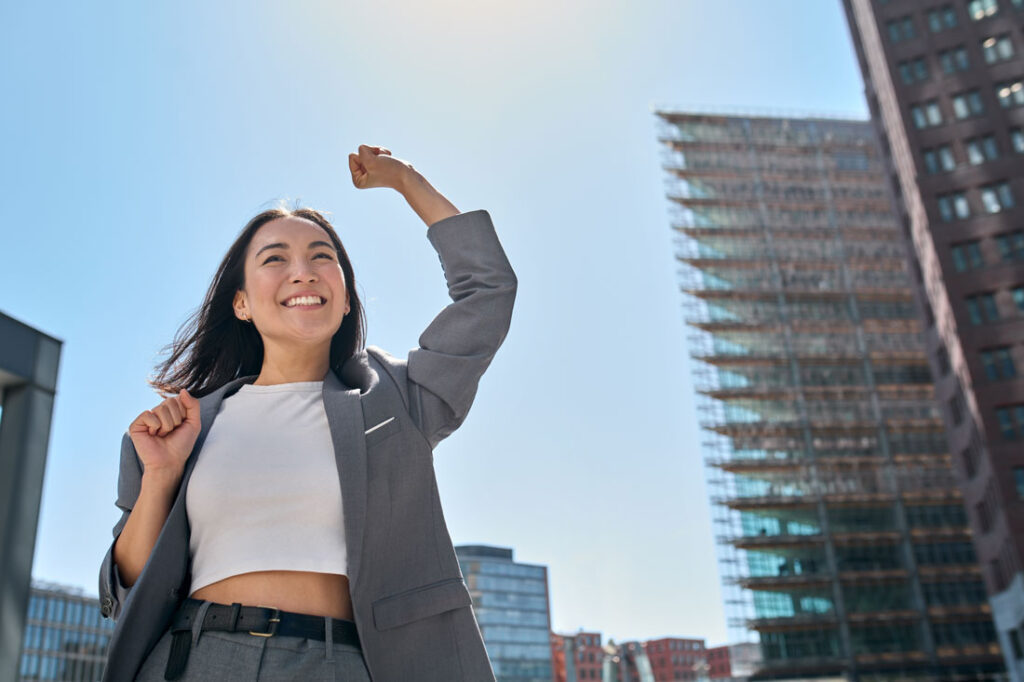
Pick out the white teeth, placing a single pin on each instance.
(303, 300)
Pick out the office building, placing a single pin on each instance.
(66, 637)
(944, 82)
(844, 546)
(510, 600)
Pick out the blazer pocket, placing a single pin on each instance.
(382, 430)
(420, 602)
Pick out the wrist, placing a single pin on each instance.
(161, 481)
(409, 181)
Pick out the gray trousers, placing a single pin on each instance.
(241, 657)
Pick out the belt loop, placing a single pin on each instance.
(197, 624)
(236, 607)
(329, 637)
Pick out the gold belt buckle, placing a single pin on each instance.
(273, 622)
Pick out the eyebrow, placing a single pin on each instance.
(282, 245)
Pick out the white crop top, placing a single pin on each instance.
(264, 494)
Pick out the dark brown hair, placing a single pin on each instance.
(213, 346)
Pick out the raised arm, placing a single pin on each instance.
(441, 375)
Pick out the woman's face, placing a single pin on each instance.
(294, 287)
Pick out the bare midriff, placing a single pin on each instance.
(318, 594)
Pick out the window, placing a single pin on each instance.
(1017, 140)
(1018, 297)
(982, 149)
(997, 48)
(998, 363)
(913, 70)
(1011, 421)
(968, 104)
(1014, 635)
(942, 359)
(939, 159)
(956, 409)
(953, 206)
(941, 19)
(1018, 479)
(967, 256)
(982, 308)
(954, 59)
(970, 461)
(984, 515)
(996, 198)
(979, 9)
(927, 114)
(900, 29)
(1011, 246)
(1010, 94)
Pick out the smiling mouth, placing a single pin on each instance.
(305, 302)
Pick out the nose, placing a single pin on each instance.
(304, 272)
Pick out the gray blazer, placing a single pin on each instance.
(410, 601)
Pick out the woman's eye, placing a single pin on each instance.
(270, 259)
(325, 255)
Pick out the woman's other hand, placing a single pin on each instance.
(164, 436)
(375, 167)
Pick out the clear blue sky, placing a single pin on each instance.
(139, 138)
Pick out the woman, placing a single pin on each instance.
(280, 516)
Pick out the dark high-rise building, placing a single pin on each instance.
(844, 545)
(29, 361)
(944, 81)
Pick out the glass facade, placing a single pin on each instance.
(510, 600)
(65, 638)
(844, 545)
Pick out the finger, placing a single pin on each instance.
(177, 412)
(166, 423)
(191, 406)
(149, 422)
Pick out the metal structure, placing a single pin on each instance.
(844, 546)
(28, 381)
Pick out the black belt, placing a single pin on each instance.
(259, 621)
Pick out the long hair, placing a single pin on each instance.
(213, 346)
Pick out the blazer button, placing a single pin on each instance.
(107, 602)
(105, 610)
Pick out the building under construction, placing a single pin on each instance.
(843, 541)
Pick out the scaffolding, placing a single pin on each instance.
(842, 539)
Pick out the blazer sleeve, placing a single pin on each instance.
(113, 593)
(458, 345)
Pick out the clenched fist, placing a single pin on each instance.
(164, 436)
(375, 167)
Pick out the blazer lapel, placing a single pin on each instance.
(345, 418)
(209, 405)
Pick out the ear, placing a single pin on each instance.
(241, 306)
